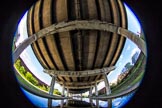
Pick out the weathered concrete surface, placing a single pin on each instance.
(105, 70)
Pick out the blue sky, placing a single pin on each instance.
(32, 63)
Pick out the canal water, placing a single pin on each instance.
(43, 102)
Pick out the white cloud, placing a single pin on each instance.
(114, 80)
(22, 30)
(135, 50)
(86, 93)
(120, 64)
(101, 85)
(128, 48)
(58, 86)
(121, 57)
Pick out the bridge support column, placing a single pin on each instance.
(63, 94)
(81, 96)
(67, 96)
(108, 90)
(51, 91)
(90, 95)
(63, 90)
(107, 86)
(109, 103)
(67, 92)
(96, 93)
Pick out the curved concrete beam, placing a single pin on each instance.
(84, 25)
(22, 46)
(76, 92)
(93, 25)
(79, 87)
(80, 83)
(80, 73)
(123, 93)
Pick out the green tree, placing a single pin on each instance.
(56, 91)
(30, 78)
(43, 87)
(17, 64)
(19, 67)
(22, 70)
(48, 88)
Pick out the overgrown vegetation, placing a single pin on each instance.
(27, 76)
(135, 76)
(56, 91)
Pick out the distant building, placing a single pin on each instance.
(126, 67)
(102, 91)
(122, 76)
(123, 70)
(135, 57)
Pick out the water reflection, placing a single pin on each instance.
(82, 102)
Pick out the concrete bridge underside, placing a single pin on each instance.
(79, 42)
(63, 45)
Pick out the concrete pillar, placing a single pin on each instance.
(90, 94)
(81, 96)
(67, 92)
(62, 104)
(51, 91)
(90, 91)
(63, 90)
(63, 94)
(67, 96)
(109, 103)
(72, 95)
(96, 93)
(108, 90)
(107, 86)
